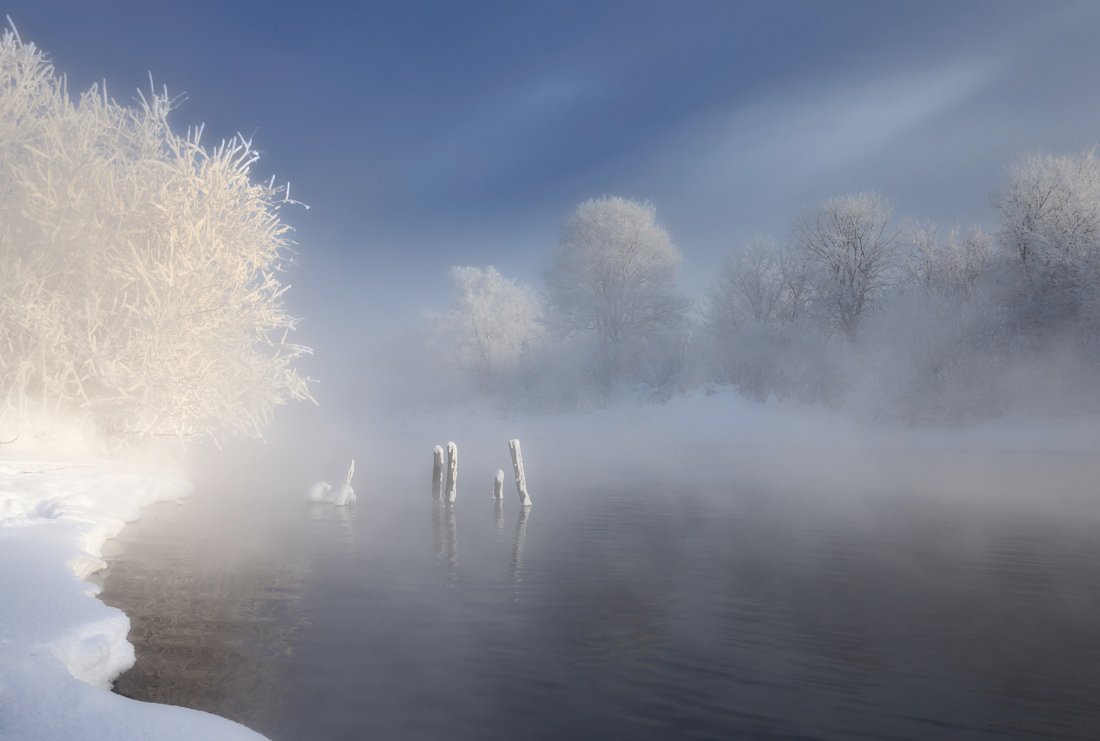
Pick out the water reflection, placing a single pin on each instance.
(517, 546)
(451, 537)
(345, 515)
(647, 613)
(437, 531)
(209, 633)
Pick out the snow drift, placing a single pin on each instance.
(60, 648)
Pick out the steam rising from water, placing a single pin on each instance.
(678, 570)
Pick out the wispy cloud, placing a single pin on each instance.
(507, 130)
(816, 131)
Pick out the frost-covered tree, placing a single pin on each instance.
(614, 273)
(766, 283)
(949, 261)
(854, 250)
(139, 272)
(1050, 222)
(493, 324)
(613, 278)
(756, 335)
(748, 287)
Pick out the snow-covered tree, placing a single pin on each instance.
(1050, 221)
(854, 250)
(139, 272)
(613, 277)
(765, 282)
(614, 273)
(756, 336)
(494, 323)
(948, 261)
(748, 287)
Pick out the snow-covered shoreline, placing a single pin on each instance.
(60, 648)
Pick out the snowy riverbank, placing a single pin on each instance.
(60, 648)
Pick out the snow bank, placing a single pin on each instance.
(60, 648)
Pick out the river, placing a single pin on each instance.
(920, 595)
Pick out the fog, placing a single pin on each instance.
(799, 337)
(843, 303)
(738, 552)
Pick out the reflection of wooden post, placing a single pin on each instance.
(517, 546)
(498, 486)
(437, 475)
(451, 539)
(452, 472)
(521, 481)
(437, 532)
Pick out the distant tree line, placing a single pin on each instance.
(852, 306)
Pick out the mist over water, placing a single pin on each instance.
(800, 339)
(663, 584)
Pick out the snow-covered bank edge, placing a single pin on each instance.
(60, 648)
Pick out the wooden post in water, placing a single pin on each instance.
(498, 486)
(521, 481)
(452, 473)
(437, 475)
(346, 494)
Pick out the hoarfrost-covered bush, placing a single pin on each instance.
(493, 325)
(766, 283)
(1050, 223)
(748, 288)
(951, 262)
(139, 272)
(664, 365)
(791, 362)
(759, 336)
(932, 354)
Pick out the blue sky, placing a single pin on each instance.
(425, 135)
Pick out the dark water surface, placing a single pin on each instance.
(672, 601)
